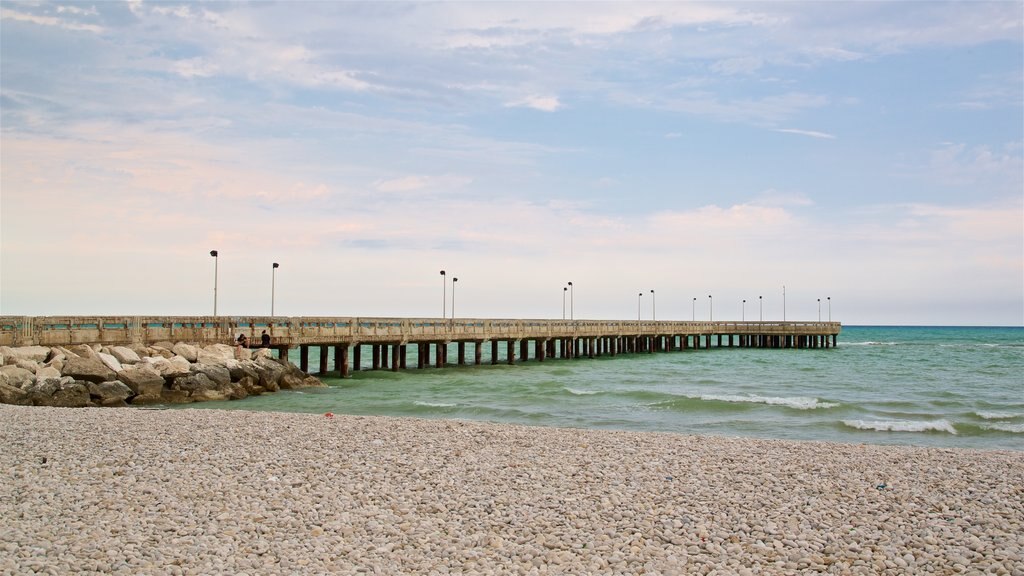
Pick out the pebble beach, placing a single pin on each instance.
(132, 491)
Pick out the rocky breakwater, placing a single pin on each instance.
(163, 373)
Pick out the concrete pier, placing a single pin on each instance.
(388, 338)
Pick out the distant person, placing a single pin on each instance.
(243, 342)
(264, 340)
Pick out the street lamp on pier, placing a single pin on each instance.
(693, 310)
(454, 280)
(638, 298)
(819, 309)
(760, 308)
(564, 290)
(215, 260)
(444, 296)
(743, 313)
(273, 273)
(572, 302)
(711, 309)
(829, 308)
(654, 307)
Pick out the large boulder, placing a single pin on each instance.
(111, 362)
(216, 354)
(11, 395)
(168, 396)
(186, 351)
(111, 393)
(47, 373)
(169, 368)
(125, 355)
(143, 380)
(89, 369)
(219, 374)
(70, 394)
(81, 350)
(16, 376)
(270, 373)
(20, 353)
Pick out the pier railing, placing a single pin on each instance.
(309, 330)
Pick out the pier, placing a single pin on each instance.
(342, 341)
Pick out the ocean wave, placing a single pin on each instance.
(797, 402)
(1004, 427)
(870, 343)
(995, 415)
(578, 392)
(902, 425)
(435, 404)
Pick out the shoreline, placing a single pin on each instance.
(200, 491)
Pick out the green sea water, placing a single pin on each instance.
(932, 386)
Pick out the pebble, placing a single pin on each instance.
(191, 491)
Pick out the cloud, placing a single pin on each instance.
(542, 103)
(810, 133)
(8, 14)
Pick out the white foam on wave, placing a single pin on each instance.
(996, 415)
(435, 404)
(797, 402)
(1004, 427)
(870, 343)
(902, 425)
(579, 392)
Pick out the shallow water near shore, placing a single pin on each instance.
(928, 386)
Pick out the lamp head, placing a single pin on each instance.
(213, 253)
(276, 265)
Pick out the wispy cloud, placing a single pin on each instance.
(810, 133)
(542, 103)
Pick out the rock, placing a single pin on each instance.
(56, 353)
(159, 351)
(111, 362)
(125, 355)
(12, 395)
(143, 380)
(194, 383)
(147, 399)
(186, 351)
(111, 393)
(207, 395)
(89, 369)
(169, 368)
(70, 394)
(168, 396)
(216, 354)
(30, 353)
(81, 350)
(27, 365)
(262, 353)
(47, 373)
(270, 373)
(219, 374)
(17, 376)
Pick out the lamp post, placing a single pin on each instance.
(564, 290)
(693, 309)
(783, 302)
(760, 308)
(829, 308)
(572, 302)
(215, 260)
(743, 313)
(444, 296)
(654, 307)
(454, 280)
(638, 298)
(711, 309)
(819, 309)
(273, 273)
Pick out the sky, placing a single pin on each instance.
(859, 161)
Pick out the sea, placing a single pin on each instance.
(953, 387)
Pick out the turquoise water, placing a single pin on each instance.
(948, 387)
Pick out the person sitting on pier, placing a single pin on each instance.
(243, 342)
(264, 340)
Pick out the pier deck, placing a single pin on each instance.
(549, 338)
